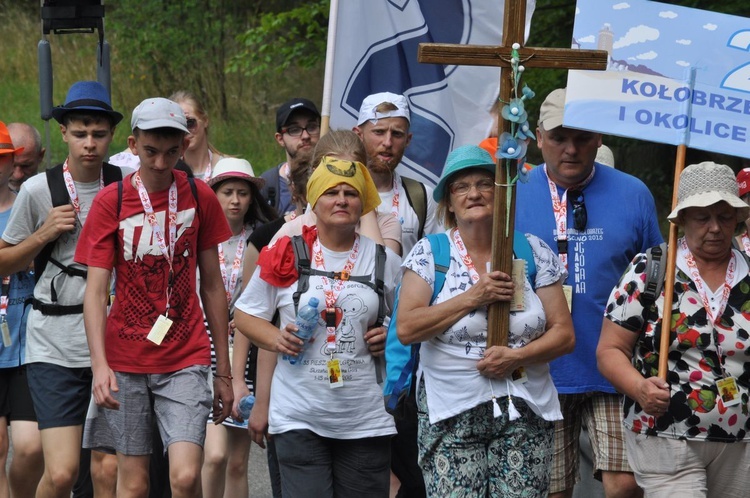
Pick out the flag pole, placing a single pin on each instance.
(666, 319)
(328, 75)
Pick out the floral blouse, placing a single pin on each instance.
(696, 411)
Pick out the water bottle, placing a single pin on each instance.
(245, 405)
(306, 322)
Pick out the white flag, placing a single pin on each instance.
(376, 51)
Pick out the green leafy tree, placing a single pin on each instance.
(295, 37)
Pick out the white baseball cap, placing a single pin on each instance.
(367, 111)
(158, 112)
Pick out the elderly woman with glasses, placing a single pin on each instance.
(485, 413)
(687, 436)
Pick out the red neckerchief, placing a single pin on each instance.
(277, 264)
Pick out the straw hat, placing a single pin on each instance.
(233, 168)
(705, 184)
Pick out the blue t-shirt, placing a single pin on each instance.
(21, 289)
(621, 223)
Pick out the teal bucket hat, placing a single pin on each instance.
(461, 158)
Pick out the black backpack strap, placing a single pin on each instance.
(416, 194)
(655, 270)
(380, 283)
(111, 173)
(59, 194)
(302, 260)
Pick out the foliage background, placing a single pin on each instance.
(245, 57)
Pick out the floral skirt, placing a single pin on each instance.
(475, 454)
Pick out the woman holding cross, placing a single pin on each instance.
(686, 435)
(485, 413)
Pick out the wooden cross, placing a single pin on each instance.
(514, 24)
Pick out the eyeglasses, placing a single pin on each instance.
(482, 186)
(580, 216)
(192, 123)
(312, 129)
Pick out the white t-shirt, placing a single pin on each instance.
(448, 362)
(300, 394)
(407, 217)
(60, 340)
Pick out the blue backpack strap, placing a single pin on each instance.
(442, 257)
(522, 250)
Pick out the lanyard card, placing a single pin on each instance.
(335, 378)
(7, 342)
(159, 330)
(728, 391)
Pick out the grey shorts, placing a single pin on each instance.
(180, 400)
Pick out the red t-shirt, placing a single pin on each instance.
(142, 273)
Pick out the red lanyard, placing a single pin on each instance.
(395, 202)
(700, 286)
(332, 291)
(230, 281)
(465, 256)
(746, 243)
(4, 297)
(156, 229)
(72, 192)
(560, 210)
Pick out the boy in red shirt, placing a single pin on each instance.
(154, 229)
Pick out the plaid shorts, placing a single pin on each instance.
(602, 415)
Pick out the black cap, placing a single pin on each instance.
(288, 107)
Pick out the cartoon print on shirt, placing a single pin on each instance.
(351, 307)
(141, 251)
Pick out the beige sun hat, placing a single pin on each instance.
(234, 168)
(705, 184)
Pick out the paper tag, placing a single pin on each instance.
(518, 274)
(568, 291)
(7, 342)
(335, 378)
(728, 391)
(519, 376)
(159, 330)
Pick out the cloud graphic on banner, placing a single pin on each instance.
(683, 63)
(620, 6)
(639, 34)
(587, 39)
(710, 27)
(650, 55)
(684, 42)
(667, 14)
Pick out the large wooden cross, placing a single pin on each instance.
(514, 24)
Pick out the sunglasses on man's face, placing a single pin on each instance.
(580, 216)
(192, 123)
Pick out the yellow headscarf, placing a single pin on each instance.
(331, 172)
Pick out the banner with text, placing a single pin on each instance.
(676, 75)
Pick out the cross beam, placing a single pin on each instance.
(514, 24)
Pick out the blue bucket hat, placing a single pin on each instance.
(461, 158)
(87, 96)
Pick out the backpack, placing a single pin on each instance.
(60, 197)
(302, 260)
(271, 188)
(417, 197)
(655, 270)
(402, 361)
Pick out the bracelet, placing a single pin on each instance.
(223, 379)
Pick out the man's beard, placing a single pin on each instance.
(377, 166)
(301, 156)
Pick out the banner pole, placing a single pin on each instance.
(328, 75)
